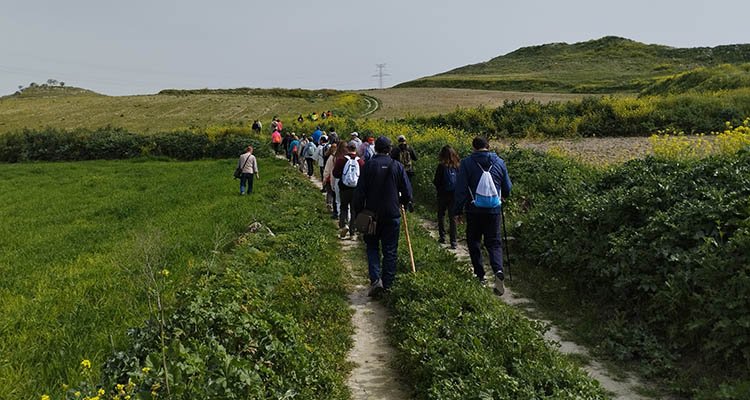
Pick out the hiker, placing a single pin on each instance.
(257, 126)
(338, 155)
(333, 137)
(292, 149)
(249, 165)
(300, 119)
(320, 155)
(275, 124)
(347, 170)
(405, 155)
(481, 186)
(328, 180)
(301, 153)
(314, 116)
(367, 149)
(276, 141)
(317, 134)
(285, 145)
(279, 125)
(355, 138)
(309, 153)
(445, 185)
(383, 188)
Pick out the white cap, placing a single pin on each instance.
(355, 133)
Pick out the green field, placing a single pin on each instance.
(72, 239)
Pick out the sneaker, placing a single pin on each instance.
(499, 286)
(343, 232)
(441, 240)
(483, 282)
(376, 289)
(454, 245)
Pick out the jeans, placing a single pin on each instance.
(386, 236)
(445, 203)
(480, 225)
(347, 195)
(337, 196)
(246, 178)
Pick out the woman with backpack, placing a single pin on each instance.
(347, 169)
(445, 184)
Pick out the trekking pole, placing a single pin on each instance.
(408, 240)
(505, 239)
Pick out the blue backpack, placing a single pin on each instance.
(485, 195)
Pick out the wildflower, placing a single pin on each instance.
(86, 364)
(100, 392)
(45, 397)
(165, 273)
(127, 397)
(77, 394)
(65, 387)
(146, 369)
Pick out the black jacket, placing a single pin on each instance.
(382, 190)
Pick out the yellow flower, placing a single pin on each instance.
(77, 394)
(165, 273)
(153, 394)
(119, 386)
(65, 387)
(127, 397)
(45, 397)
(101, 392)
(146, 369)
(86, 364)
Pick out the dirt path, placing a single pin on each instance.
(626, 388)
(373, 376)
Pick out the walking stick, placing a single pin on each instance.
(505, 239)
(408, 241)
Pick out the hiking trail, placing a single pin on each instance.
(627, 388)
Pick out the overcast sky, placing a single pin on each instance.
(143, 46)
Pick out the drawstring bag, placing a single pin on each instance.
(485, 195)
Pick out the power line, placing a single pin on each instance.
(380, 73)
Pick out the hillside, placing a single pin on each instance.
(72, 108)
(607, 65)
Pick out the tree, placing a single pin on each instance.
(52, 82)
(62, 84)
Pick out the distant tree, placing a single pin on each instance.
(20, 88)
(62, 84)
(52, 82)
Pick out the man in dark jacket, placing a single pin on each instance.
(405, 155)
(383, 188)
(482, 222)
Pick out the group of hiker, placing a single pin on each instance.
(371, 176)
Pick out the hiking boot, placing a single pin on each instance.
(343, 232)
(454, 245)
(376, 289)
(441, 240)
(499, 286)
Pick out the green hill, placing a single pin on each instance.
(704, 79)
(607, 65)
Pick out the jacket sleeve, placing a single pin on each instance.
(461, 195)
(360, 193)
(505, 184)
(437, 180)
(404, 186)
(412, 154)
(255, 165)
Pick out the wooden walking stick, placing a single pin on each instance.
(408, 240)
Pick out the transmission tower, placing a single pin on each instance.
(380, 73)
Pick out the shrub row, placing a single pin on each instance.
(662, 245)
(456, 340)
(116, 143)
(601, 116)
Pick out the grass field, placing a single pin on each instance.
(153, 113)
(400, 102)
(73, 240)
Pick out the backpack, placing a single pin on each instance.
(310, 150)
(369, 151)
(485, 195)
(350, 175)
(449, 179)
(404, 156)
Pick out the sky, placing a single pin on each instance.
(143, 46)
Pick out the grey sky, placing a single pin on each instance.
(142, 46)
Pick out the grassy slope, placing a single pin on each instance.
(71, 275)
(69, 109)
(609, 64)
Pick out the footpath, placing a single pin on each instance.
(625, 388)
(373, 376)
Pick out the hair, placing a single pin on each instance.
(249, 148)
(351, 146)
(332, 149)
(448, 157)
(340, 152)
(331, 129)
(480, 143)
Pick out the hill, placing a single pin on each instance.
(607, 65)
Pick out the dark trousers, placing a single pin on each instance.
(309, 162)
(321, 173)
(480, 225)
(445, 204)
(277, 148)
(347, 195)
(295, 158)
(246, 179)
(385, 237)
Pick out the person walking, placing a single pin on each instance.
(328, 180)
(249, 165)
(405, 155)
(383, 188)
(481, 186)
(445, 185)
(317, 135)
(320, 155)
(293, 149)
(354, 137)
(276, 141)
(338, 155)
(347, 170)
(257, 126)
(309, 154)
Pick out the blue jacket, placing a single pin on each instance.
(468, 178)
(379, 192)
